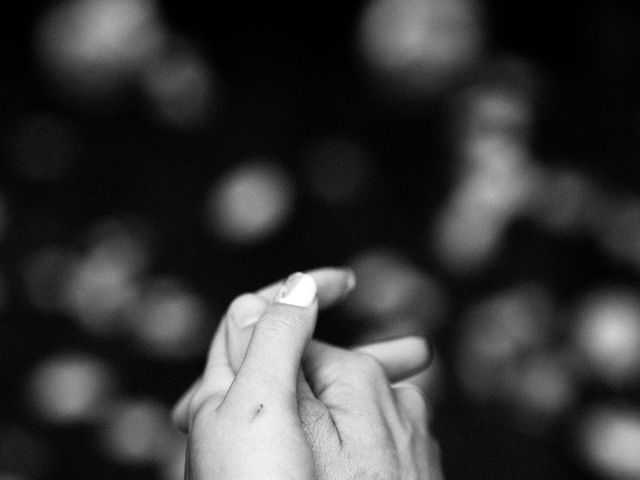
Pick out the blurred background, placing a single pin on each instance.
(475, 162)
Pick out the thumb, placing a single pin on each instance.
(272, 361)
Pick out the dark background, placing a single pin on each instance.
(291, 74)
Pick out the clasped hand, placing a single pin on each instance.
(273, 404)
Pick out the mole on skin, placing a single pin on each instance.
(259, 410)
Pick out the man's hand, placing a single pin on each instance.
(259, 415)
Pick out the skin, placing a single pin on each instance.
(274, 404)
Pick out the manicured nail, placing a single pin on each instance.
(299, 290)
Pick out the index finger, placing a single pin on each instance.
(333, 284)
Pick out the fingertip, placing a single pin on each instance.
(299, 290)
(245, 310)
(425, 347)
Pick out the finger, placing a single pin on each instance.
(180, 412)
(346, 380)
(315, 418)
(399, 359)
(333, 284)
(270, 367)
(402, 357)
(411, 402)
(216, 380)
(243, 309)
(242, 315)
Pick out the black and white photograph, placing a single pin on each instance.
(340, 240)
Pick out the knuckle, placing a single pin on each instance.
(367, 366)
(240, 304)
(281, 323)
(205, 411)
(312, 416)
(360, 371)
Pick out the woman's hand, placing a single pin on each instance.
(260, 415)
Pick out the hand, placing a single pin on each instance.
(342, 420)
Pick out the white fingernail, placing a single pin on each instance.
(299, 290)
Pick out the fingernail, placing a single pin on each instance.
(298, 290)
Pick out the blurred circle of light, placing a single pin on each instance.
(125, 241)
(43, 275)
(180, 88)
(497, 184)
(494, 111)
(71, 388)
(23, 454)
(104, 281)
(415, 48)
(392, 293)
(494, 335)
(98, 292)
(542, 387)
(138, 432)
(567, 202)
(609, 440)
(169, 321)
(606, 335)
(338, 170)
(251, 202)
(90, 49)
(43, 146)
(466, 241)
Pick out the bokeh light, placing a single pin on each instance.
(180, 87)
(250, 202)
(394, 296)
(416, 48)
(542, 386)
(609, 441)
(498, 186)
(103, 282)
(496, 333)
(71, 388)
(500, 108)
(606, 335)
(138, 431)
(90, 49)
(169, 321)
(567, 202)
